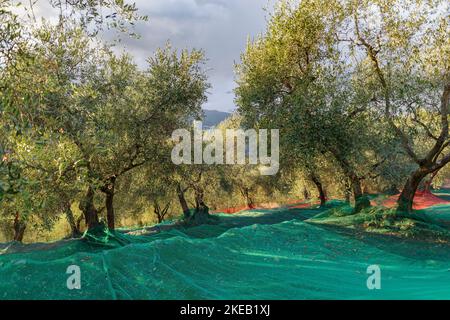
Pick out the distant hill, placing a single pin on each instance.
(214, 117)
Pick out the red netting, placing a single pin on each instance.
(422, 200)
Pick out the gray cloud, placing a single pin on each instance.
(220, 27)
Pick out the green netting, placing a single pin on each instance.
(260, 254)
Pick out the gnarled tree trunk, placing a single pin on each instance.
(88, 208)
(322, 196)
(429, 183)
(109, 190)
(160, 213)
(201, 212)
(183, 202)
(361, 201)
(248, 199)
(19, 228)
(406, 199)
(74, 228)
(109, 203)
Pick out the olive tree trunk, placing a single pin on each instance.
(19, 228)
(322, 196)
(183, 202)
(89, 211)
(75, 231)
(406, 199)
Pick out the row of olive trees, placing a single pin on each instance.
(83, 127)
(80, 125)
(363, 83)
(76, 117)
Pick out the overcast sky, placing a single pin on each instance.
(220, 27)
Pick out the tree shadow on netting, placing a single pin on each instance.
(410, 248)
(241, 220)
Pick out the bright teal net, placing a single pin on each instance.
(271, 254)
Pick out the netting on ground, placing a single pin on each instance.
(260, 254)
